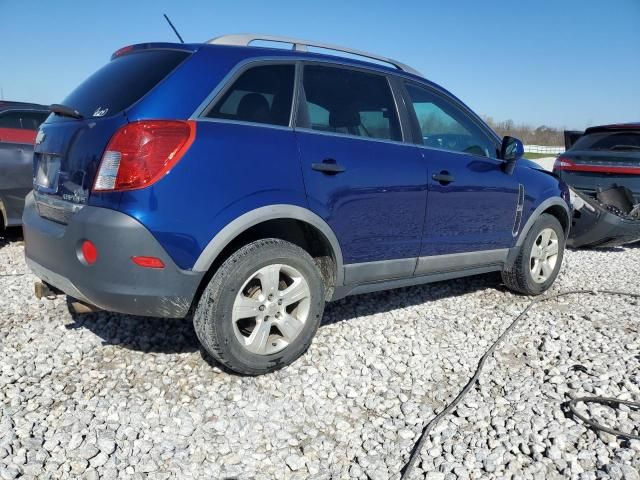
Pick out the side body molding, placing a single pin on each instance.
(262, 214)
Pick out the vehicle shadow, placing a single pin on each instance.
(381, 302)
(174, 336)
(145, 334)
(10, 235)
(616, 249)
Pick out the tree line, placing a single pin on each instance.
(542, 135)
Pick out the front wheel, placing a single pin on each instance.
(538, 262)
(262, 307)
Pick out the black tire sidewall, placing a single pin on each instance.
(238, 268)
(545, 221)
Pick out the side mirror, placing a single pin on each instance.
(511, 151)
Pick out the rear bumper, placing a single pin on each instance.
(602, 229)
(113, 282)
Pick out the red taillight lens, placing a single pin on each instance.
(562, 163)
(141, 153)
(89, 252)
(148, 262)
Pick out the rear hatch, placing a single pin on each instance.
(602, 158)
(71, 142)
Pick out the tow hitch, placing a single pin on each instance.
(44, 290)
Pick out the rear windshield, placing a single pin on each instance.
(609, 141)
(122, 82)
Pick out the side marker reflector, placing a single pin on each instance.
(148, 262)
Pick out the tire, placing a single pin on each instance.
(520, 276)
(283, 331)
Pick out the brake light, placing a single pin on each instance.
(121, 51)
(141, 153)
(609, 167)
(562, 163)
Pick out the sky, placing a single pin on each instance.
(567, 63)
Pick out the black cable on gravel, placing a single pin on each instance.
(612, 402)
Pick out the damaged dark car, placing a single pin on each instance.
(603, 170)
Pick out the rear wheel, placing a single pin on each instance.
(538, 262)
(262, 307)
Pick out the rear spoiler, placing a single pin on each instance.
(153, 46)
(615, 127)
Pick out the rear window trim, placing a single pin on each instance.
(124, 111)
(390, 79)
(229, 80)
(219, 90)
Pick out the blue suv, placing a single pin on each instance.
(246, 186)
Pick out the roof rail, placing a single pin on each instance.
(244, 39)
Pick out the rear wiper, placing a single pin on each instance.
(65, 111)
(625, 147)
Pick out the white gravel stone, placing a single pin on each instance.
(113, 396)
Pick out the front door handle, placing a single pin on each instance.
(444, 177)
(328, 166)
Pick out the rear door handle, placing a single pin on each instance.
(328, 166)
(444, 177)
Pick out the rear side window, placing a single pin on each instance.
(349, 102)
(122, 82)
(261, 94)
(619, 141)
(24, 120)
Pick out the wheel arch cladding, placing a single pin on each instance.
(562, 215)
(288, 222)
(555, 206)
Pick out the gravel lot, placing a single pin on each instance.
(113, 396)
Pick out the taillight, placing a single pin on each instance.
(562, 163)
(141, 153)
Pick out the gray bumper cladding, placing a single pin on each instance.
(113, 282)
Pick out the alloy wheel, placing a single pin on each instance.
(544, 255)
(270, 309)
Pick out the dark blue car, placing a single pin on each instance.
(250, 185)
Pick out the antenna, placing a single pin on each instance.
(173, 28)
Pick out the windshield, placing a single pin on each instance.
(609, 141)
(122, 82)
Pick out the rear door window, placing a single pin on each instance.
(262, 94)
(349, 102)
(123, 81)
